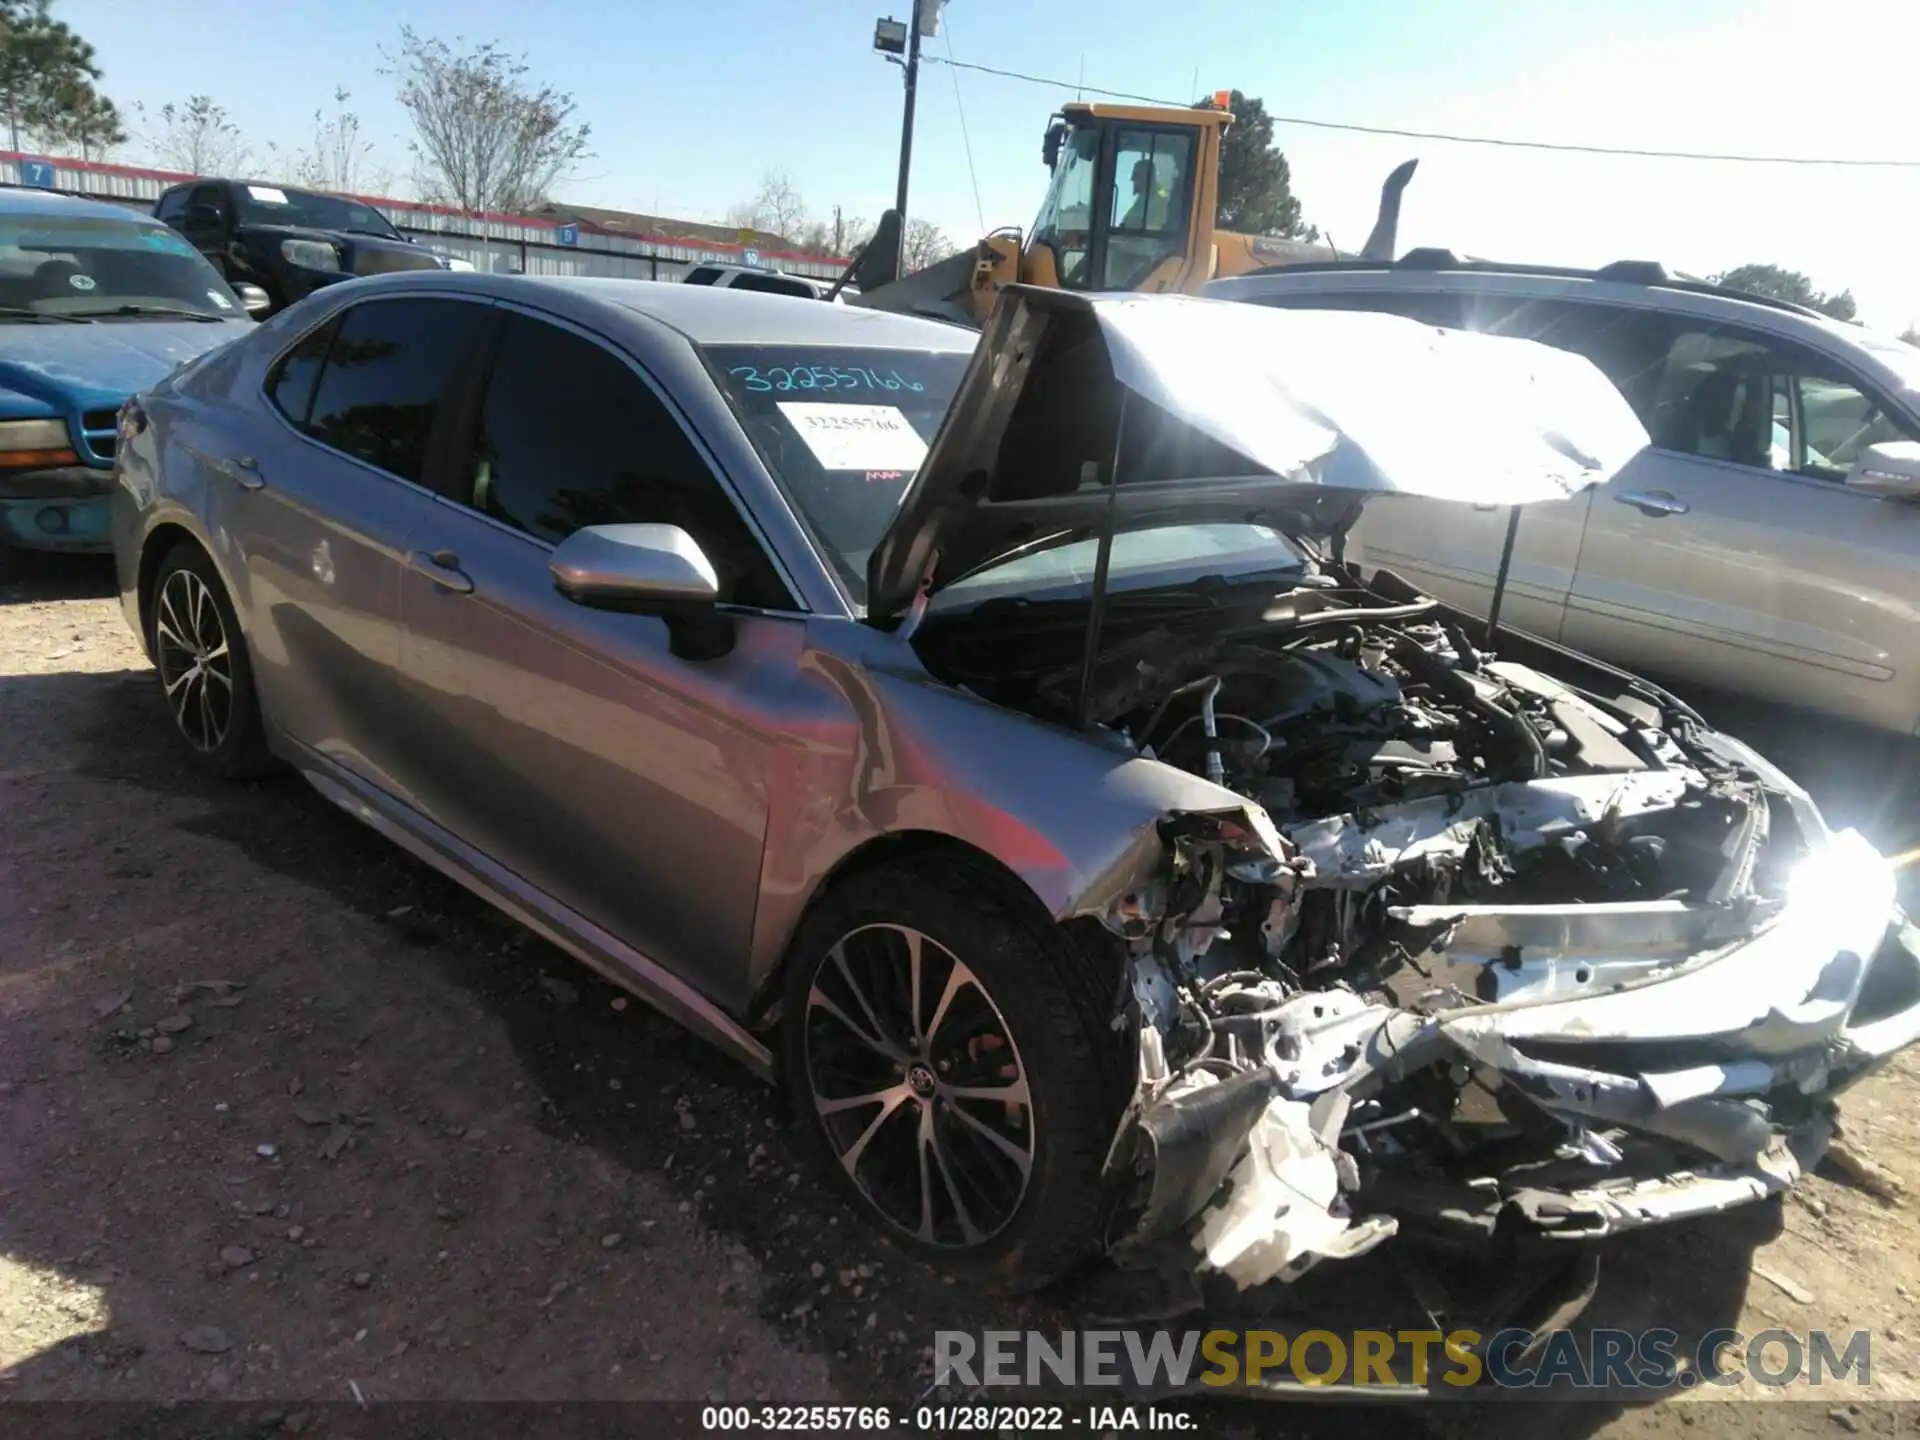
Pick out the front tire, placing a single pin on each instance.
(206, 678)
(946, 1067)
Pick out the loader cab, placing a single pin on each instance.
(1131, 202)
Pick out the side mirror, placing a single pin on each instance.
(253, 297)
(203, 216)
(1890, 469)
(647, 570)
(1050, 145)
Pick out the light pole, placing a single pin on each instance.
(891, 38)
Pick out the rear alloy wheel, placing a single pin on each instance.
(202, 664)
(940, 1060)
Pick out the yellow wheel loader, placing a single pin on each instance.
(1130, 207)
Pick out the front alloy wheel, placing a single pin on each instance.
(943, 1045)
(919, 1086)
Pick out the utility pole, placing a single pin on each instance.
(890, 41)
(906, 132)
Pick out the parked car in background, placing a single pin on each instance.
(96, 302)
(749, 651)
(289, 242)
(769, 282)
(1767, 545)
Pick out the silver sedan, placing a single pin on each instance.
(994, 746)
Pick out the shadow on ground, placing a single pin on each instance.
(27, 576)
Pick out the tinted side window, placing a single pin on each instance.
(214, 195)
(773, 285)
(1758, 400)
(701, 275)
(1627, 345)
(292, 382)
(387, 375)
(570, 436)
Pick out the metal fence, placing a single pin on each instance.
(529, 244)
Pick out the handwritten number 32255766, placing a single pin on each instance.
(822, 377)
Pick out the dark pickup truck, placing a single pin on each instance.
(288, 242)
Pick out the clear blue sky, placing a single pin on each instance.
(690, 103)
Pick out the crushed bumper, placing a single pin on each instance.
(1664, 1087)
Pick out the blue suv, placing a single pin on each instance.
(96, 302)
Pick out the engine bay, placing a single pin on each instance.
(1435, 828)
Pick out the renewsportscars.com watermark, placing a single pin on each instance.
(1608, 1360)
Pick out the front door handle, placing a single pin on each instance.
(1653, 503)
(442, 567)
(244, 471)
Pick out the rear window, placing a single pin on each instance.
(843, 431)
(773, 285)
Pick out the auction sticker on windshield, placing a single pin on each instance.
(857, 437)
(268, 195)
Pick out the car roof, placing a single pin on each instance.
(705, 314)
(28, 200)
(1640, 284)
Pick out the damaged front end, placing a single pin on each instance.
(1478, 953)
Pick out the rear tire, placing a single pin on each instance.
(941, 1061)
(206, 677)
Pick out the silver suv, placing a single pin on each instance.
(1767, 545)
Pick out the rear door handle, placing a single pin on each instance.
(1654, 503)
(244, 471)
(442, 567)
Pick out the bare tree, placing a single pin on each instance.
(485, 137)
(924, 244)
(197, 137)
(338, 157)
(777, 208)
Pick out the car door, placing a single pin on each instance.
(1452, 550)
(568, 744)
(1732, 555)
(328, 490)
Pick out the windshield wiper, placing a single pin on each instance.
(178, 312)
(21, 312)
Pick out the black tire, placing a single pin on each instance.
(191, 627)
(978, 1221)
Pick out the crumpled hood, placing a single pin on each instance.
(64, 365)
(1211, 410)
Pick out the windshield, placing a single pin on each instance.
(267, 205)
(1066, 215)
(1168, 555)
(94, 266)
(842, 429)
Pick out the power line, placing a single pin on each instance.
(965, 138)
(1450, 139)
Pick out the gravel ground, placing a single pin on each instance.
(286, 1118)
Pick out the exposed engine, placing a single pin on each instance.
(1437, 830)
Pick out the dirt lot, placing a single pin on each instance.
(286, 1118)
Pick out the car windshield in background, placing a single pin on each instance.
(306, 210)
(1165, 557)
(105, 267)
(843, 430)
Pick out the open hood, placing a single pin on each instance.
(1158, 410)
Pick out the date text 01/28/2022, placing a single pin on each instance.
(944, 1419)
